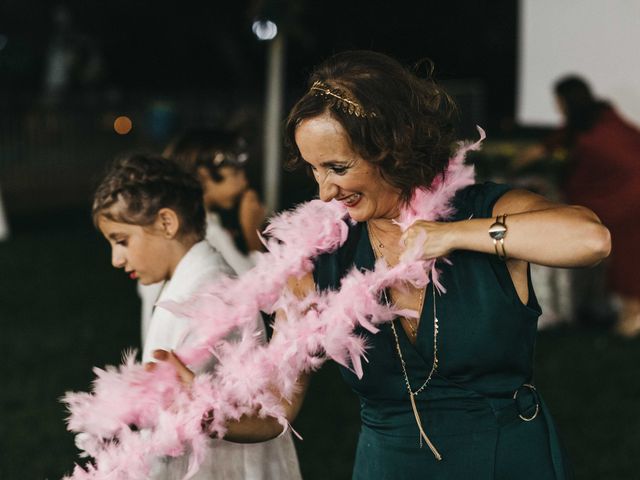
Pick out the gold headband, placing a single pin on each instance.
(340, 99)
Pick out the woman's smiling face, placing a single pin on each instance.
(342, 174)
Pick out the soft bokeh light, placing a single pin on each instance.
(122, 125)
(264, 29)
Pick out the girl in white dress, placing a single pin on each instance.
(152, 214)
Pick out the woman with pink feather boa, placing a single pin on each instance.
(453, 370)
(404, 262)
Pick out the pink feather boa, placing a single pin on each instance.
(167, 416)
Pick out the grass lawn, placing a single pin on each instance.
(63, 309)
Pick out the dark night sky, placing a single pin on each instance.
(181, 46)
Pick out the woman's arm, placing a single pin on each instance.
(252, 215)
(251, 428)
(538, 231)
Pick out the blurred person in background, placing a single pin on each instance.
(74, 61)
(602, 153)
(218, 158)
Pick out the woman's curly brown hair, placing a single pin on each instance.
(408, 129)
(137, 186)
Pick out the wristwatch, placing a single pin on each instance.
(497, 232)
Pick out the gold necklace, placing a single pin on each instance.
(409, 322)
(412, 394)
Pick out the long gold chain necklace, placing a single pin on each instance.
(409, 322)
(376, 244)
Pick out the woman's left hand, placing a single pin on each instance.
(182, 372)
(437, 238)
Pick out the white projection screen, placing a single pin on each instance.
(597, 39)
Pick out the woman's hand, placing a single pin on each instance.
(185, 375)
(438, 238)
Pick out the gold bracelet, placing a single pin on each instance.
(497, 232)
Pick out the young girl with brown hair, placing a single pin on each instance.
(151, 212)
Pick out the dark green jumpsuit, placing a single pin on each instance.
(485, 350)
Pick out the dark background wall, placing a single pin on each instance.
(169, 65)
(169, 46)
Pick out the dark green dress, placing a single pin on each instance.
(485, 350)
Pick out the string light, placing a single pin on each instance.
(122, 125)
(264, 29)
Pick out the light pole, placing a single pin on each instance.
(266, 30)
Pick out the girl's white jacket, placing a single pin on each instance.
(272, 460)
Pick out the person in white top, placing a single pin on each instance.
(217, 158)
(151, 213)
